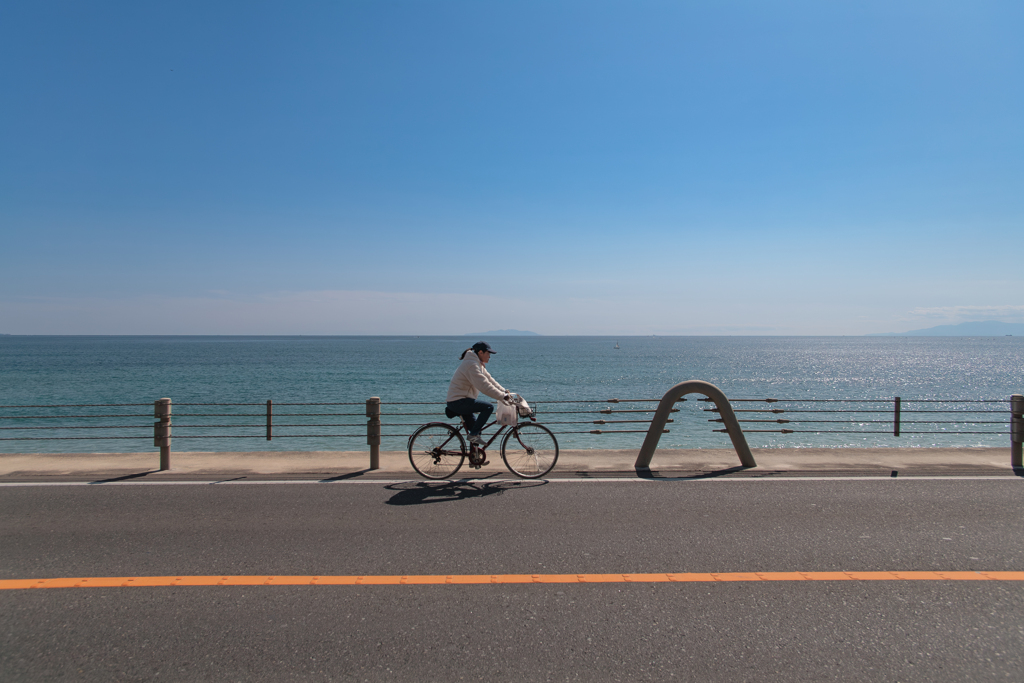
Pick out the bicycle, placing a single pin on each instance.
(437, 450)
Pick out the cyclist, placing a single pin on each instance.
(470, 379)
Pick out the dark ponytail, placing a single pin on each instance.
(464, 353)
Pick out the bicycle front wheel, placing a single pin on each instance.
(529, 450)
(436, 450)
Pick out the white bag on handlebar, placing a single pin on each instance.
(524, 407)
(507, 414)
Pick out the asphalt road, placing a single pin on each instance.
(747, 631)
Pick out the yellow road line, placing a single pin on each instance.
(463, 579)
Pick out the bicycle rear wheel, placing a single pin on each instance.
(529, 450)
(436, 450)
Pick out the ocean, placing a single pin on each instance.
(400, 370)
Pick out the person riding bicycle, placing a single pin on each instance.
(469, 381)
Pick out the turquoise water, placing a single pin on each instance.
(95, 370)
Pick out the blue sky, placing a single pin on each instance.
(562, 167)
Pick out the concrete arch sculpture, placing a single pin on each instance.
(693, 386)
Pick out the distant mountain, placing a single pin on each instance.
(502, 333)
(989, 328)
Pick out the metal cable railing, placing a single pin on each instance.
(798, 416)
(540, 406)
(198, 423)
(285, 420)
(397, 420)
(836, 424)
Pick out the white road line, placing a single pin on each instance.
(576, 480)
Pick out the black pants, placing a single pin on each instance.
(468, 406)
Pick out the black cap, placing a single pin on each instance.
(483, 346)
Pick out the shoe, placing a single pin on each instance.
(476, 440)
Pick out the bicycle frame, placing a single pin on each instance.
(462, 428)
(501, 430)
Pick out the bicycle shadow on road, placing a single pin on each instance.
(424, 492)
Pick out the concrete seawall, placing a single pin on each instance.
(597, 463)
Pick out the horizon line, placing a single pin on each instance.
(519, 336)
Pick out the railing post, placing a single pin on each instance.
(373, 430)
(1016, 430)
(162, 431)
(896, 418)
(270, 420)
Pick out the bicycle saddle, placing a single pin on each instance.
(448, 413)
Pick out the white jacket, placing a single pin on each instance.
(471, 378)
